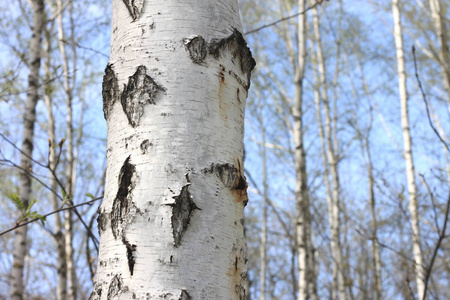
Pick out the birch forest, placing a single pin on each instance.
(224, 149)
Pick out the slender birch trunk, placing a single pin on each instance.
(174, 98)
(333, 187)
(306, 265)
(410, 172)
(58, 236)
(439, 21)
(20, 234)
(68, 90)
(263, 246)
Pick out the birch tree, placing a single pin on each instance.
(174, 95)
(306, 265)
(20, 238)
(410, 170)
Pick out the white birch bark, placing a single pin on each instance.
(306, 265)
(58, 235)
(263, 245)
(68, 90)
(20, 234)
(174, 97)
(440, 25)
(410, 172)
(333, 186)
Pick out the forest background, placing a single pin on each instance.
(353, 138)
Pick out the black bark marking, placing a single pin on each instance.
(140, 91)
(102, 221)
(145, 145)
(131, 254)
(115, 287)
(239, 49)
(110, 90)
(185, 295)
(134, 8)
(182, 211)
(122, 203)
(96, 292)
(197, 48)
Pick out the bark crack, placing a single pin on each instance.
(185, 295)
(140, 91)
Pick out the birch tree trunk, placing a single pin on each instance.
(410, 172)
(439, 21)
(58, 235)
(68, 90)
(20, 234)
(306, 265)
(174, 98)
(331, 160)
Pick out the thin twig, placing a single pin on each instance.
(49, 214)
(283, 19)
(424, 97)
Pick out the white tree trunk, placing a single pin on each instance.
(333, 188)
(439, 21)
(410, 172)
(58, 236)
(20, 234)
(306, 264)
(174, 97)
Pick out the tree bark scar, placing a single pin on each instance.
(140, 91)
(131, 254)
(115, 287)
(198, 50)
(122, 203)
(96, 292)
(185, 295)
(134, 8)
(182, 211)
(232, 178)
(110, 90)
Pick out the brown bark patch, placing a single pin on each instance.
(110, 90)
(239, 50)
(232, 178)
(122, 203)
(237, 274)
(140, 91)
(182, 211)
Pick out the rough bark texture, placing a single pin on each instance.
(20, 234)
(410, 172)
(174, 99)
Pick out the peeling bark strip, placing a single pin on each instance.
(198, 49)
(131, 254)
(110, 90)
(185, 295)
(134, 8)
(122, 203)
(141, 90)
(183, 209)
